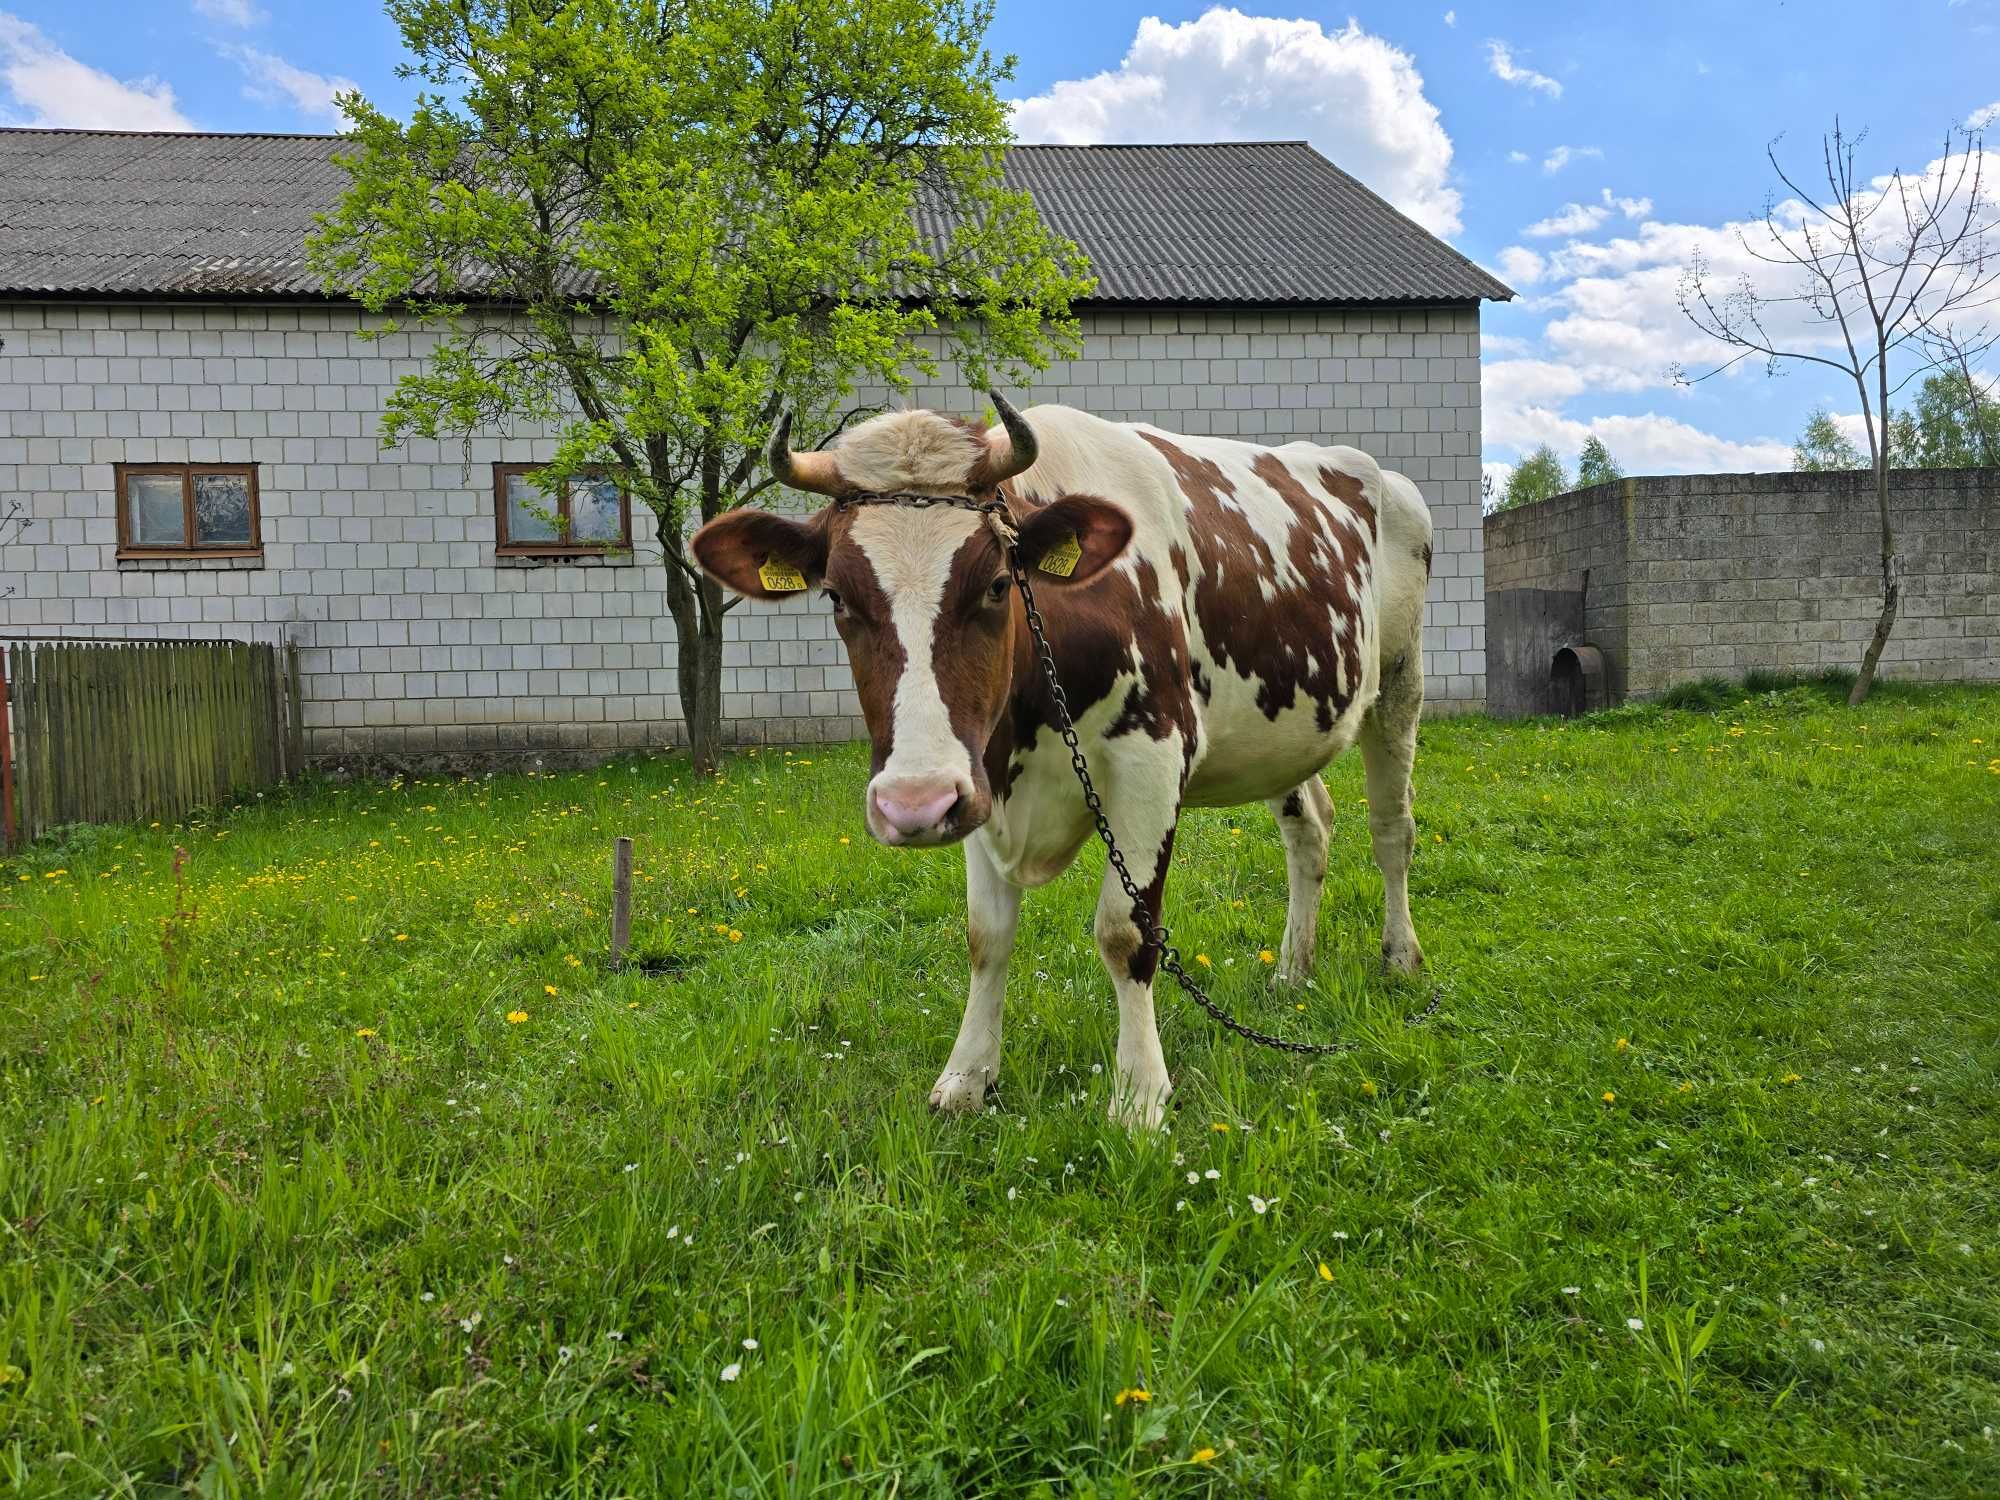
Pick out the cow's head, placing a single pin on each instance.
(922, 597)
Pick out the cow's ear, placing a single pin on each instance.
(1073, 539)
(763, 555)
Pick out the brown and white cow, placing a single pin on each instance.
(1232, 617)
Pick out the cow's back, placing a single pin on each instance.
(1284, 558)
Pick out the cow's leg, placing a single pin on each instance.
(1388, 749)
(992, 911)
(1305, 819)
(1143, 816)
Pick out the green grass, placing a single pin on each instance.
(288, 1206)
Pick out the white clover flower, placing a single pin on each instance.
(1571, 1291)
(1635, 1324)
(1259, 1205)
(751, 1345)
(1193, 1178)
(1211, 1174)
(731, 1371)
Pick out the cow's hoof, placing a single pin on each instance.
(960, 1093)
(1143, 1108)
(1404, 957)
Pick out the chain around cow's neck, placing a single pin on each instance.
(1159, 938)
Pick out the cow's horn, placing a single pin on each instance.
(1020, 452)
(814, 471)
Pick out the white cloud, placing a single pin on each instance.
(1632, 208)
(1575, 218)
(1451, 18)
(230, 12)
(272, 80)
(1228, 76)
(1562, 156)
(1500, 60)
(1520, 266)
(40, 84)
(1517, 157)
(1979, 119)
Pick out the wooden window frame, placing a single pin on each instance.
(504, 546)
(131, 550)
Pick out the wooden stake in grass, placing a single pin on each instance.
(621, 901)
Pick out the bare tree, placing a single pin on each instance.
(1884, 266)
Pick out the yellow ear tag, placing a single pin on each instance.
(780, 578)
(1062, 558)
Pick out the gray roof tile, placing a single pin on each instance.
(131, 214)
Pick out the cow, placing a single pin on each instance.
(1225, 619)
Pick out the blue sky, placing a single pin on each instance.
(1582, 151)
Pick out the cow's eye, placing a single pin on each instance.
(834, 599)
(997, 590)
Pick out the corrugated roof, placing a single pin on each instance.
(139, 214)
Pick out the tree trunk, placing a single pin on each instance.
(697, 611)
(1892, 590)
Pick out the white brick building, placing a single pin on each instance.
(173, 376)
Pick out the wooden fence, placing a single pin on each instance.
(117, 731)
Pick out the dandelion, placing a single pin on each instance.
(1202, 1456)
(735, 936)
(1134, 1393)
(364, 1031)
(402, 937)
(516, 1017)
(1265, 955)
(1623, 1044)
(1793, 1078)
(1368, 1089)
(731, 1370)
(1202, 959)
(1687, 1087)
(1610, 1097)
(1221, 1127)
(549, 990)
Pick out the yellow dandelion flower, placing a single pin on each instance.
(1133, 1394)
(735, 936)
(1368, 1088)
(846, 840)
(1686, 1087)
(516, 1017)
(1609, 1097)
(364, 1031)
(1202, 1456)
(55, 875)
(1265, 955)
(402, 937)
(549, 990)
(1221, 1127)
(1623, 1044)
(1202, 959)
(1324, 1273)
(1792, 1078)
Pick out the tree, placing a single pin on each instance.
(652, 225)
(1883, 264)
(1823, 447)
(1595, 465)
(1952, 424)
(1535, 477)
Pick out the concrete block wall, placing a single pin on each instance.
(417, 641)
(1693, 575)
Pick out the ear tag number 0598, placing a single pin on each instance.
(780, 578)
(1062, 558)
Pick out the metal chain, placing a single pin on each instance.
(1159, 937)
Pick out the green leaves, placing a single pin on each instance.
(654, 225)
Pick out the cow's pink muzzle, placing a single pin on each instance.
(914, 811)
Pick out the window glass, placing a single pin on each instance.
(222, 510)
(594, 511)
(154, 501)
(531, 515)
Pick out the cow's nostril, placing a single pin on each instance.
(915, 809)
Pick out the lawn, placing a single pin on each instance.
(340, 1162)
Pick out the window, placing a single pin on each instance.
(590, 515)
(188, 510)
